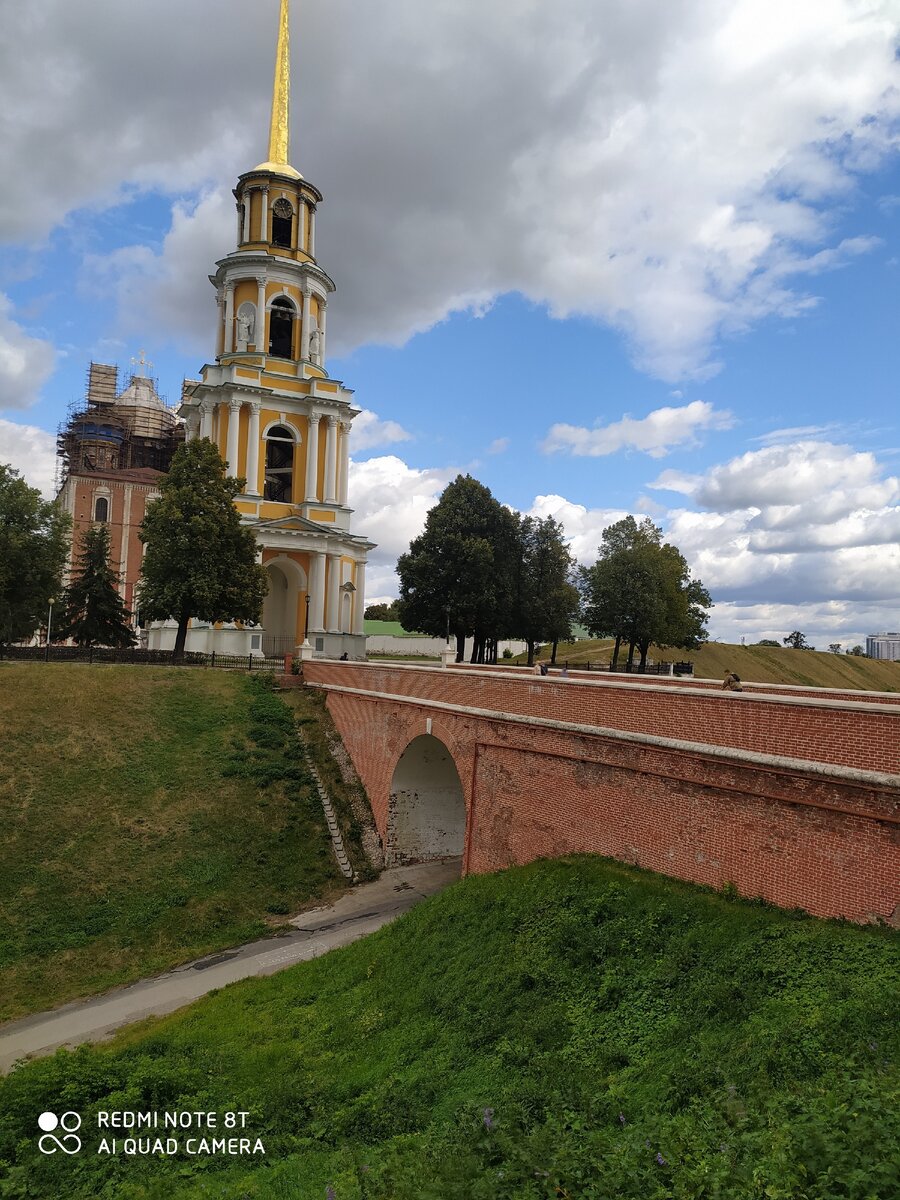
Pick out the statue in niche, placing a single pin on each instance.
(315, 346)
(246, 322)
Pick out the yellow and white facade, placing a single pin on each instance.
(271, 408)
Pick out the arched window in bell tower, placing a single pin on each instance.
(282, 223)
(279, 465)
(281, 328)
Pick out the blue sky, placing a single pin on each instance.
(642, 258)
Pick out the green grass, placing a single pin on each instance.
(147, 816)
(573, 1029)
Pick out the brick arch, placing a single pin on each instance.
(427, 812)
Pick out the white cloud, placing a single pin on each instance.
(825, 479)
(584, 526)
(369, 430)
(26, 362)
(689, 147)
(654, 434)
(32, 452)
(391, 501)
(498, 445)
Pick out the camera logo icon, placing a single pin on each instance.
(68, 1141)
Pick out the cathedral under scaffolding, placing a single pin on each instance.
(117, 431)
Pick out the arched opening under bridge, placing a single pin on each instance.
(427, 809)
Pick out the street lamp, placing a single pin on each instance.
(448, 624)
(51, 602)
(306, 621)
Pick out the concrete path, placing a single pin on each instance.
(358, 912)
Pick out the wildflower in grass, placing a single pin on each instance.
(488, 1118)
(621, 1118)
(659, 1158)
(330, 1193)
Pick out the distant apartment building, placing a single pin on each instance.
(884, 645)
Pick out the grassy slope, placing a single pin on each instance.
(574, 1028)
(757, 664)
(146, 816)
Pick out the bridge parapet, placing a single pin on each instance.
(864, 735)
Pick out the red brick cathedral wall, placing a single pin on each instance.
(820, 837)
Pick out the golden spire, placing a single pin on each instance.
(279, 130)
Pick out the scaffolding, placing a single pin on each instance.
(112, 431)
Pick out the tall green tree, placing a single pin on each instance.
(640, 591)
(34, 545)
(797, 641)
(460, 574)
(200, 561)
(94, 614)
(548, 600)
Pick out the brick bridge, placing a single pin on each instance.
(792, 794)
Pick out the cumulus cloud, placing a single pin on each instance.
(820, 479)
(369, 430)
(658, 168)
(390, 501)
(584, 526)
(656, 434)
(32, 452)
(26, 362)
(498, 446)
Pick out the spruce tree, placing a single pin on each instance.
(94, 614)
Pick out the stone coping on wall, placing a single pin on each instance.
(804, 700)
(879, 780)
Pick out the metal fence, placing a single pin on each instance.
(160, 658)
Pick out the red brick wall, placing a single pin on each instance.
(795, 837)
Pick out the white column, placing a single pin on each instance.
(312, 457)
(234, 418)
(344, 474)
(333, 622)
(330, 460)
(248, 195)
(302, 218)
(311, 238)
(264, 214)
(317, 593)
(259, 330)
(206, 410)
(323, 309)
(220, 327)
(252, 488)
(229, 318)
(359, 598)
(192, 426)
(304, 325)
(240, 224)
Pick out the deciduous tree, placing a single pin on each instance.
(639, 591)
(94, 614)
(34, 543)
(460, 573)
(797, 641)
(200, 561)
(548, 600)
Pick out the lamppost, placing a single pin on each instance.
(448, 624)
(51, 602)
(306, 621)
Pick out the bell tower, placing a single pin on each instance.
(270, 406)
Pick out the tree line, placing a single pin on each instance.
(480, 570)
